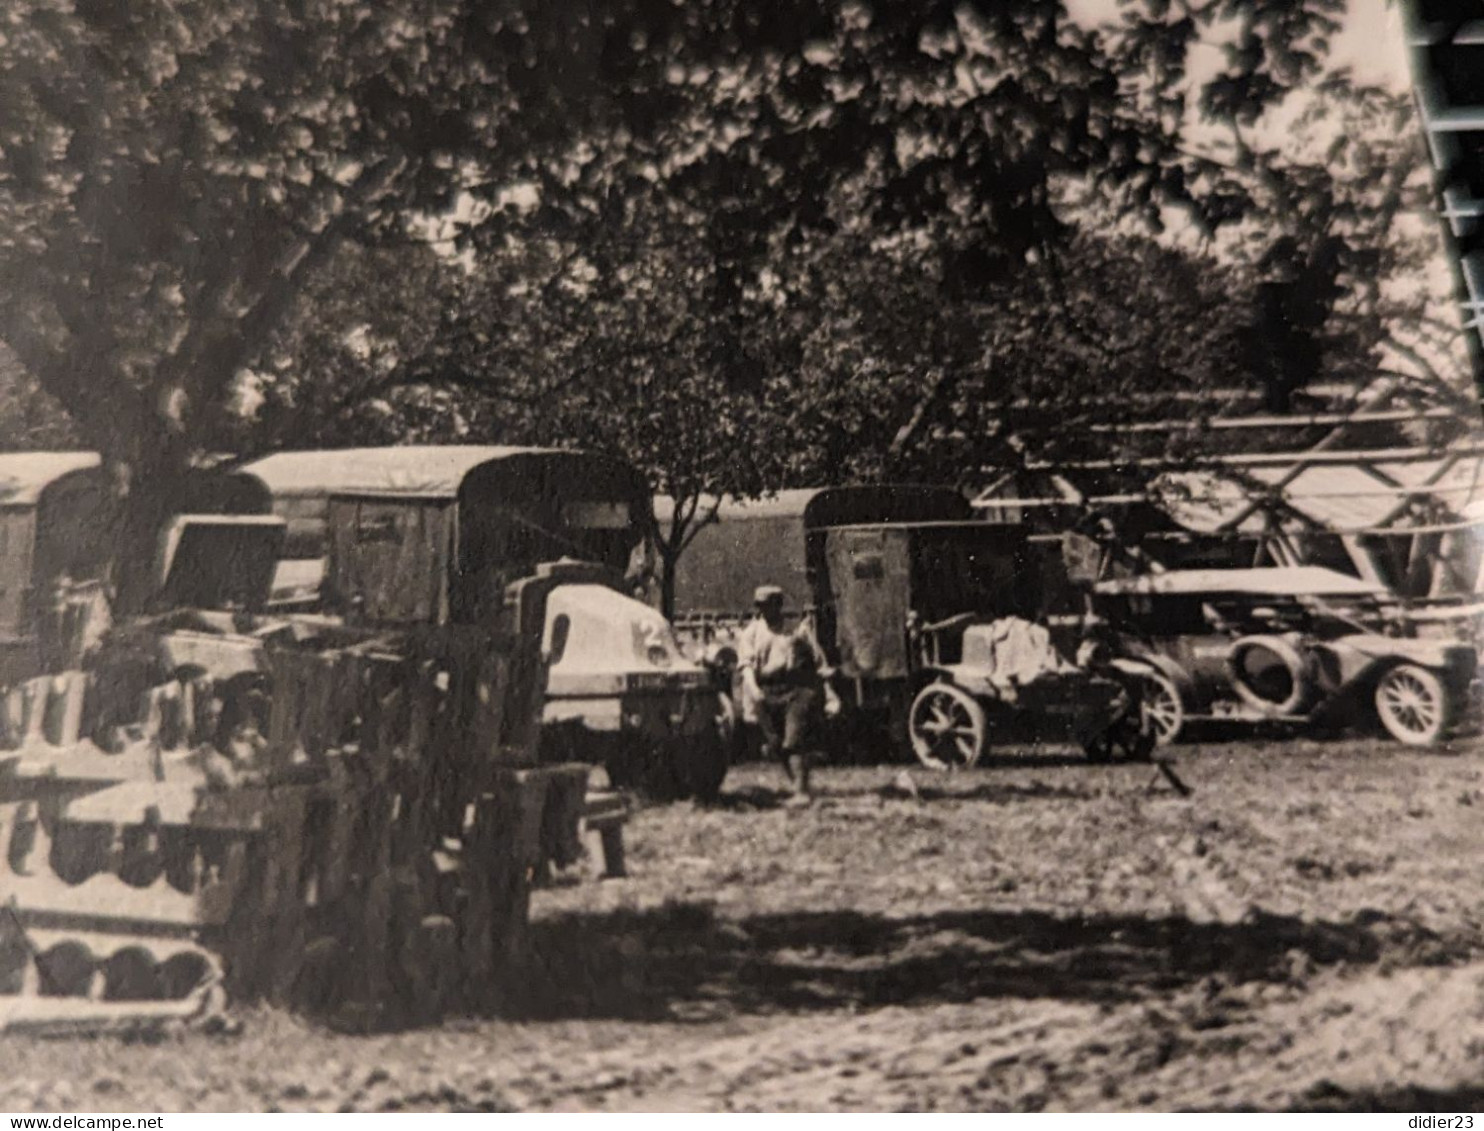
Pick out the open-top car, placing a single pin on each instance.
(1292, 644)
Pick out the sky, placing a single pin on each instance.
(1372, 42)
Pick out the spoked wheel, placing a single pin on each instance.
(1412, 705)
(1129, 737)
(1162, 707)
(1127, 740)
(948, 727)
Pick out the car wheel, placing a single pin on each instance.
(707, 763)
(659, 778)
(1271, 675)
(1099, 750)
(1412, 705)
(948, 727)
(1130, 736)
(1164, 712)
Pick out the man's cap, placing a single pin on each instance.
(765, 593)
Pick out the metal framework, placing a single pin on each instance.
(1410, 518)
(1445, 40)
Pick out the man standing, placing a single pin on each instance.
(783, 672)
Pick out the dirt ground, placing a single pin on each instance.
(1305, 932)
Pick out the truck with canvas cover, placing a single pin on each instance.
(755, 542)
(435, 535)
(748, 544)
(933, 626)
(346, 816)
(56, 514)
(59, 522)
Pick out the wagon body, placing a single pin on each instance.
(517, 505)
(750, 543)
(906, 611)
(342, 816)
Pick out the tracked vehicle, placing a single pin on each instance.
(344, 813)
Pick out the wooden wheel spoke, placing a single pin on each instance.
(947, 727)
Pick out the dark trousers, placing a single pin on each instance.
(789, 720)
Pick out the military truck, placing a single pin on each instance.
(434, 535)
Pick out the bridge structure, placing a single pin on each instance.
(1384, 480)
(1445, 42)
(1380, 483)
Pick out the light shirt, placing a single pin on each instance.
(773, 654)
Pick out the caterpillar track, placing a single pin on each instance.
(307, 813)
(110, 887)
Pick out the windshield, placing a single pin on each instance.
(972, 570)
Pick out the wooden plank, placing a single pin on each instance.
(58, 1015)
(307, 706)
(43, 899)
(132, 802)
(34, 698)
(562, 817)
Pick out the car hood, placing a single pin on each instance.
(611, 633)
(1429, 653)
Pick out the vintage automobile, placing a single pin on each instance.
(1290, 644)
(932, 626)
(621, 691)
(434, 535)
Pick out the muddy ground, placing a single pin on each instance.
(1305, 932)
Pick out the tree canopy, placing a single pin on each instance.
(740, 242)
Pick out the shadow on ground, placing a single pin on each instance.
(1332, 1097)
(683, 961)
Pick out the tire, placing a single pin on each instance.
(623, 766)
(1162, 707)
(659, 778)
(948, 727)
(1099, 750)
(1130, 737)
(706, 769)
(1413, 705)
(1121, 742)
(1296, 665)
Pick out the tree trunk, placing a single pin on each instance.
(146, 483)
(668, 558)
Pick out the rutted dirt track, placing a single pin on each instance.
(1306, 931)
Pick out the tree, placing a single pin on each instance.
(33, 421)
(176, 174)
(598, 339)
(173, 172)
(900, 382)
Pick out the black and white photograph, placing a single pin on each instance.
(883, 556)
